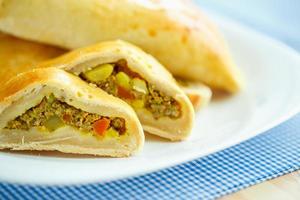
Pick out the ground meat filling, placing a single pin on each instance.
(128, 85)
(52, 113)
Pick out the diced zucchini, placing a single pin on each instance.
(99, 73)
(54, 123)
(123, 80)
(139, 85)
(137, 104)
(112, 133)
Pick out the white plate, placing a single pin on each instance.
(272, 95)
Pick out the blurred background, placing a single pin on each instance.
(277, 18)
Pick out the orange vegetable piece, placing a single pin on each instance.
(101, 125)
(195, 99)
(67, 117)
(122, 92)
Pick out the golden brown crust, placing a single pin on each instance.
(20, 93)
(17, 55)
(178, 34)
(67, 149)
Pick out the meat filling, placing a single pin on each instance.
(118, 80)
(52, 113)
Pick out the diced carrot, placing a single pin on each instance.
(123, 93)
(101, 125)
(67, 117)
(194, 99)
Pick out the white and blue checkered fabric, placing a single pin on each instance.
(269, 155)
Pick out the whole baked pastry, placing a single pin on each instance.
(175, 32)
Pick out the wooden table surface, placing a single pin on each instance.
(286, 187)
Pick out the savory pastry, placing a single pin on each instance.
(198, 93)
(50, 109)
(17, 55)
(176, 33)
(125, 71)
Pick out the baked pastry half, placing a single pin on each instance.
(125, 71)
(177, 34)
(50, 109)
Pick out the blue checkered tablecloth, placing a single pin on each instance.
(271, 154)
